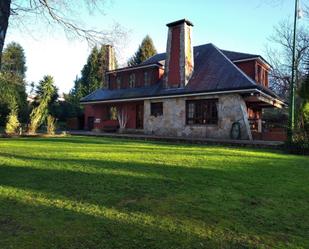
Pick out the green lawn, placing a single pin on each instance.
(79, 192)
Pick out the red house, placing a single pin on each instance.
(200, 91)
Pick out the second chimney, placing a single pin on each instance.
(110, 63)
(110, 57)
(179, 62)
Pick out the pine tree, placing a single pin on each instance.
(14, 60)
(39, 113)
(145, 51)
(92, 74)
(12, 80)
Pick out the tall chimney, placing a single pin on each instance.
(110, 64)
(179, 63)
(110, 58)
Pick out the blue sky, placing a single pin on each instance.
(239, 25)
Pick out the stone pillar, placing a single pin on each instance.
(259, 125)
(179, 64)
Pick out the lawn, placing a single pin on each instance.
(82, 192)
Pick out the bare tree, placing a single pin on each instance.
(55, 12)
(279, 54)
(122, 116)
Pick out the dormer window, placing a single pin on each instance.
(118, 82)
(132, 80)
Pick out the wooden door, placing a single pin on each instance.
(140, 116)
(90, 123)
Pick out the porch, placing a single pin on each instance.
(110, 117)
(262, 129)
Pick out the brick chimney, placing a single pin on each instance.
(179, 63)
(110, 63)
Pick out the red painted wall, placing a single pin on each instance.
(174, 63)
(248, 67)
(153, 72)
(101, 111)
(251, 69)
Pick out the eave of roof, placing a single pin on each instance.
(168, 94)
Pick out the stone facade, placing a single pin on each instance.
(173, 120)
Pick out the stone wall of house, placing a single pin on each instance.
(173, 120)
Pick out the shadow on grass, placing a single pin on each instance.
(23, 225)
(231, 203)
(250, 200)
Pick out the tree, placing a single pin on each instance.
(12, 124)
(39, 113)
(12, 77)
(280, 56)
(54, 12)
(51, 125)
(144, 51)
(14, 60)
(4, 21)
(92, 74)
(304, 95)
(40, 91)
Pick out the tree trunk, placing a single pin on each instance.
(4, 21)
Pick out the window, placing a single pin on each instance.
(146, 79)
(132, 80)
(112, 113)
(259, 74)
(118, 82)
(202, 111)
(156, 109)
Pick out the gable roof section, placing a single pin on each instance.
(213, 72)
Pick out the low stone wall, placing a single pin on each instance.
(173, 120)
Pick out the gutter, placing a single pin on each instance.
(170, 96)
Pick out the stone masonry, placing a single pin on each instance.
(173, 120)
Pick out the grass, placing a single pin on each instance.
(81, 192)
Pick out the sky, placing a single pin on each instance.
(238, 25)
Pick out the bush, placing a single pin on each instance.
(51, 125)
(12, 124)
(299, 145)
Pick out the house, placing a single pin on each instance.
(188, 91)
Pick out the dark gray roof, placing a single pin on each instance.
(233, 56)
(213, 72)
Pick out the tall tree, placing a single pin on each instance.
(93, 72)
(14, 60)
(55, 12)
(41, 89)
(39, 113)
(145, 50)
(304, 95)
(12, 85)
(279, 54)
